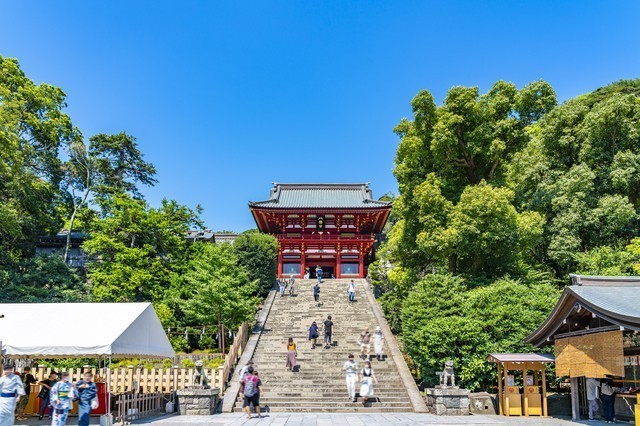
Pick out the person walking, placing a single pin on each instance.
(319, 273)
(45, 393)
(282, 286)
(27, 379)
(62, 396)
(11, 391)
(367, 379)
(351, 369)
(251, 390)
(316, 294)
(365, 344)
(306, 273)
(592, 396)
(244, 370)
(87, 391)
(313, 334)
(351, 291)
(328, 332)
(292, 281)
(378, 344)
(292, 353)
(607, 393)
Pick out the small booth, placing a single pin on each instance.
(595, 331)
(82, 330)
(530, 399)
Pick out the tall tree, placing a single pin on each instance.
(33, 128)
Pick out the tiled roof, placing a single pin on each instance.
(323, 195)
(616, 299)
(521, 358)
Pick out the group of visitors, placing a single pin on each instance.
(366, 376)
(56, 394)
(601, 389)
(327, 329)
(282, 285)
(365, 344)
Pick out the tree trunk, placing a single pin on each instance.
(68, 242)
(453, 263)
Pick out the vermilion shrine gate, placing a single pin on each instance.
(331, 225)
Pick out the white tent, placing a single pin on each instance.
(85, 330)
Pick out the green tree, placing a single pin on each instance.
(42, 279)
(33, 128)
(220, 292)
(444, 319)
(138, 250)
(257, 254)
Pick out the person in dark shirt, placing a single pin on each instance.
(316, 294)
(47, 384)
(313, 334)
(328, 331)
(27, 379)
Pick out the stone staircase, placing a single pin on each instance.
(319, 384)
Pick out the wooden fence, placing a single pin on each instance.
(235, 351)
(141, 380)
(135, 406)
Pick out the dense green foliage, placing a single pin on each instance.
(256, 252)
(53, 178)
(502, 195)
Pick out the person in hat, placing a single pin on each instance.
(378, 343)
(11, 390)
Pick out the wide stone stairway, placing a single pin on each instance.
(318, 385)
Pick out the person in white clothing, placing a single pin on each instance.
(351, 369)
(243, 370)
(378, 343)
(351, 291)
(367, 379)
(11, 390)
(593, 387)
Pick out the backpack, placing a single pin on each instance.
(250, 386)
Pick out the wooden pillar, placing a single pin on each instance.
(303, 262)
(505, 373)
(525, 396)
(575, 400)
(338, 261)
(279, 262)
(544, 391)
(361, 263)
(500, 395)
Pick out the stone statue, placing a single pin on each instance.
(447, 375)
(199, 378)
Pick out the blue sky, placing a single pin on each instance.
(226, 97)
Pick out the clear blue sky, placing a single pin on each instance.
(226, 97)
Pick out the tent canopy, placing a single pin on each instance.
(86, 330)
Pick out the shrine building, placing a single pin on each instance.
(330, 225)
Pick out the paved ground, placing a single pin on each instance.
(330, 419)
(374, 419)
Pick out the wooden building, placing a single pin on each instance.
(328, 225)
(594, 328)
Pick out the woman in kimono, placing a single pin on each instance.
(11, 390)
(378, 343)
(367, 379)
(62, 396)
(292, 353)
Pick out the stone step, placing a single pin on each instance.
(357, 408)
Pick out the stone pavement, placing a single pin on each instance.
(352, 419)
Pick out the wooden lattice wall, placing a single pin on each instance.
(591, 355)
